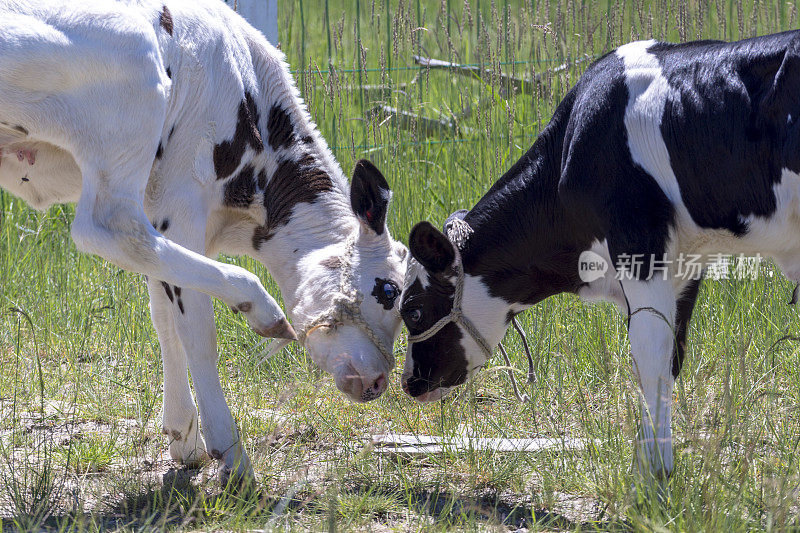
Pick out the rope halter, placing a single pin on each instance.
(345, 308)
(455, 316)
(457, 231)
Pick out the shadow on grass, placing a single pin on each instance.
(179, 501)
(137, 505)
(491, 509)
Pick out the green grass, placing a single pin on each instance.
(80, 441)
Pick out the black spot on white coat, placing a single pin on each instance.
(165, 20)
(294, 182)
(228, 154)
(240, 190)
(168, 290)
(280, 132)
(178, 299)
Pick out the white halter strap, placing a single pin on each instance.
(456, 316)
(345, 308)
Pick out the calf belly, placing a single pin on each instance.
(39, 173)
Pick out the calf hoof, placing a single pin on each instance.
(192, 457)
(234, 480)
(280, 330)
(187, 447)
(266, 318)
(235, 473)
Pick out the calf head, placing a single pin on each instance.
(447, 344)
(347, 308)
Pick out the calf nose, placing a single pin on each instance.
(363, 388)
(374, 388)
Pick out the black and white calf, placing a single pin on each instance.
(659, 150)
(178, 130)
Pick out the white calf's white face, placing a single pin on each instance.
(346, 350)
(356, 347)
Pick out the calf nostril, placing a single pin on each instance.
(380, 383)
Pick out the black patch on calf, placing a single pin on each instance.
(228, 154)
(169, 73)
(178, 298)
(439, 361)
(294, 182)
(165, 20)
(379, 292)
(280, 132)
(727, 131)
(164, 225)
(262, 179)
(168, 290)
(239, 191)
(683, 316)
(159, 150)
(307, 139)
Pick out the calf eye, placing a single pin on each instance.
(390, 290)
(414, 315)
(386, 292)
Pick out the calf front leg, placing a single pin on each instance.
(193, 314)
(652, 306)
(110, 222)
(179, 415)
(190, 332)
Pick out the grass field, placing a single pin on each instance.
(80, 386)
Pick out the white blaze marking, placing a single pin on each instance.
(648, 91)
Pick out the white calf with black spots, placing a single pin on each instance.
(178, 130)
(660, 152)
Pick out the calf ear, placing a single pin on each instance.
(431, 248)
(370, 196)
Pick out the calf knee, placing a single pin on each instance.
(120, 237)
